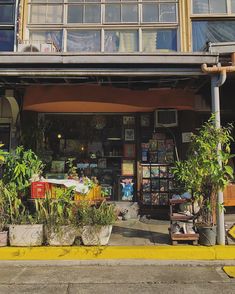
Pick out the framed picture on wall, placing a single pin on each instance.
(145, 120)
(129, 150)
(129, 135)
(128, 167)
(129, 120)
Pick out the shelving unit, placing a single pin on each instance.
(176, 216)
(156, 184)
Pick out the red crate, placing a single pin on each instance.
(39, 189)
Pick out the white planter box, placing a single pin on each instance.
(26, 235)
(3, 238)
(64, 236)
(96, 235)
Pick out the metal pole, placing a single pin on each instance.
(220, 199)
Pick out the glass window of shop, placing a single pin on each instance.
(108, 25)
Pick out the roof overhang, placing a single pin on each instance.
(67, 64)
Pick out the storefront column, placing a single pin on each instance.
(9, 95)
(215, 83)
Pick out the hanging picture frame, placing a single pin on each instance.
(145, 120)
(129, 135)
(128, 167)
(129, 150)
(129, 120)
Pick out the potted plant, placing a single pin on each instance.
(96, 222)
(3, 217)
(20, 166)
(22, 224)
(204, 175)
(3, 214)
(58, 215)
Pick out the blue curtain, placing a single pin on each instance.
(212, 31)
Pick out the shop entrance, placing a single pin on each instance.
(102, 146)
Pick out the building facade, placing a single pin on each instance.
(103, 81)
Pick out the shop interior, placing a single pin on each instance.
(125, 152)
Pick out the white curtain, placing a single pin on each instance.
(149, 41)
(128, 41)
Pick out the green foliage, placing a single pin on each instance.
(104, 214)
(58, 211)
(72, 169)
(20, 166)
(206, 171)
(3, 154)
(12, 209)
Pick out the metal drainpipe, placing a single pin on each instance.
(216, 82)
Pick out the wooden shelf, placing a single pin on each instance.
(180, 217)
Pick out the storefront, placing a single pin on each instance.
(105, 116)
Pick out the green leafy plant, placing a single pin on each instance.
(12, 208)
(58, 211)
(72, 169)
(20, 166)
(202, 174)
(102, 215)
(3, 154)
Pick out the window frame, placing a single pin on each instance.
(210, 14)
(104, 26)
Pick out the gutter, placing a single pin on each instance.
(222, 70)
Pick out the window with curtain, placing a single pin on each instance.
(46, 12)
(52, 36)
(83, 40)
(108, 25)
(121, 41)
(159, 40)
(212, 31)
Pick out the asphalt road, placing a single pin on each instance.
(70, 278)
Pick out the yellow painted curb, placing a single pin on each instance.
(230, 271)
(118, 252)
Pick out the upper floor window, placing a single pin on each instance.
(214, 31)
(102, 11)
(7, 11)
(213, 6)
(106, 25)
(7, 24)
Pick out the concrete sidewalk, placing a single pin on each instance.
(130, 240)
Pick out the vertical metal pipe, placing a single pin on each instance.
(220, 199)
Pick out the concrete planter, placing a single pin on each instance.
(96, 235)
(3, 238)
(62, 236)
(26, 235)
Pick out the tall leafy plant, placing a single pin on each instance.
(58, 209)
(202, 173)
(20, 166)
